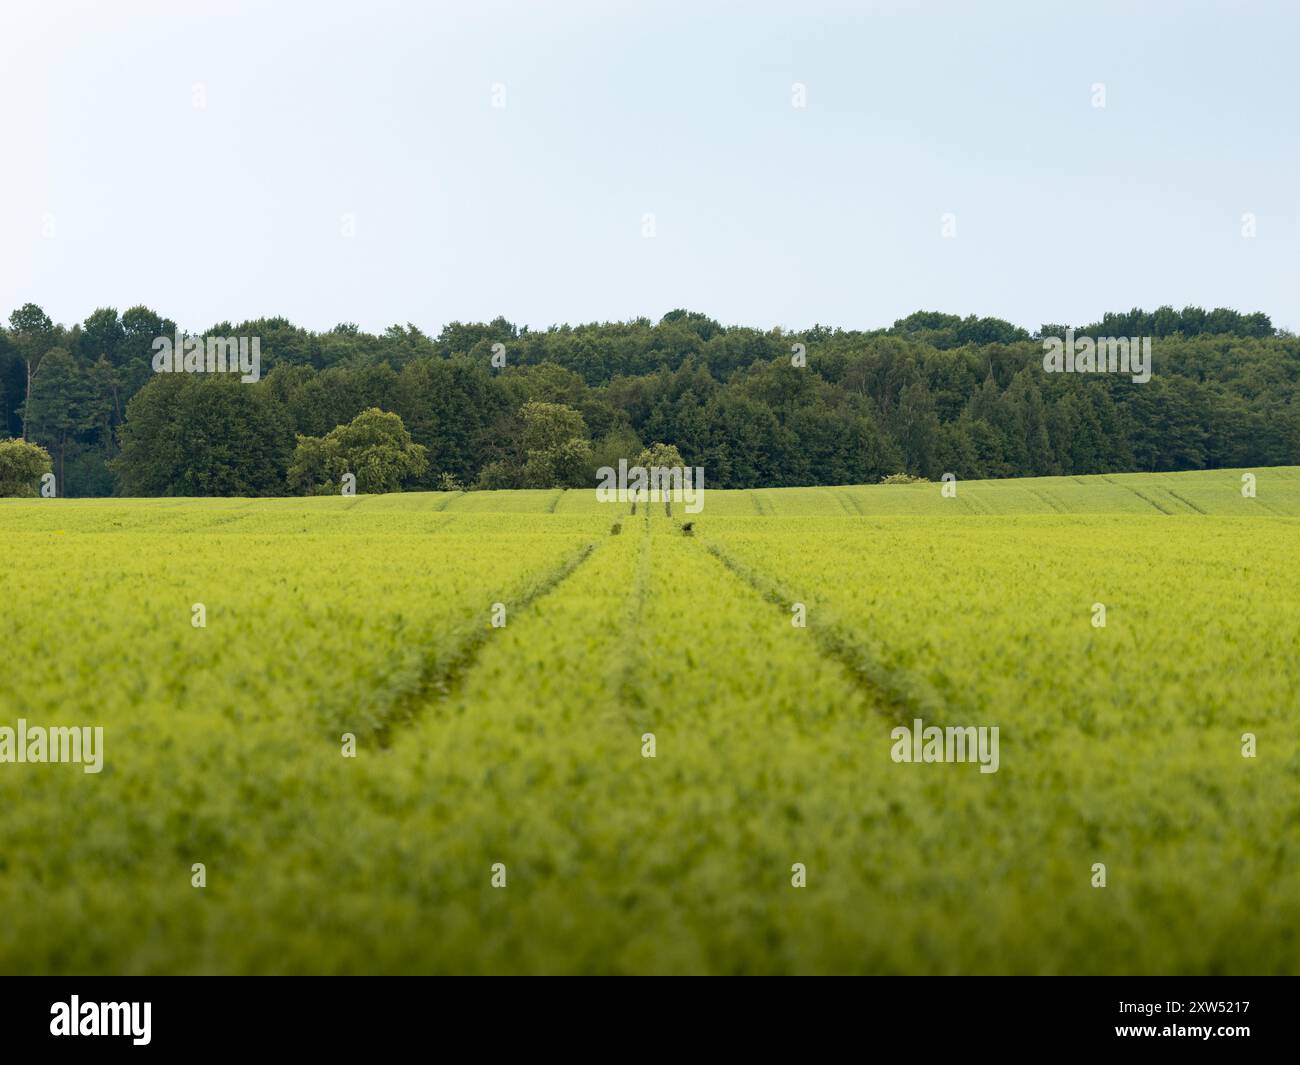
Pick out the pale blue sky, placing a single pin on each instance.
(115, 189)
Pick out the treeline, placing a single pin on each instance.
(934, 393)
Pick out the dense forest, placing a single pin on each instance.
(934, 393)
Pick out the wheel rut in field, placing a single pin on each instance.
(627, 688)
(850, 503)
(442, 671)
(1148, 499)
(1186, 502)
(1051, 503)
(899, 695)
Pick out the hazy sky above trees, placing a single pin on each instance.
(116, 189)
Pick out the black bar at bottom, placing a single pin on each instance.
(1236, 1015)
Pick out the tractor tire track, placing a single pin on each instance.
(900, 696)
(627, 689)
(1186, 502)
(853, 501)
(441, 672)
(1051, 503)
(1148, 499)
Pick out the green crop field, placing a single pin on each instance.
(506, 662)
